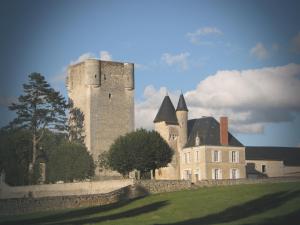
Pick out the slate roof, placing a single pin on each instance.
(290, 156)
(208, 130)
(166, 112)
(181, 106)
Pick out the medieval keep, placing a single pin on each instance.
(104, 92)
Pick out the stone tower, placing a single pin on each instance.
(166, 124)
(182, 117)
(104, 92)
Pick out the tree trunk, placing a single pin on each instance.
(31, 164)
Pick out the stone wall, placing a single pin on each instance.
(65, 189)
(159, 186)
(140, 188)
(28, 205)
(210, 183)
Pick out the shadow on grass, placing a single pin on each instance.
(292, 218)
(80, 214)
(245, 210)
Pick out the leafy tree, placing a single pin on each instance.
(69, 161)
(14, 155)
(38, 109)
(142, 150)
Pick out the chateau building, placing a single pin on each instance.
(204, 149)
(104, 92)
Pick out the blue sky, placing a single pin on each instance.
(234, 58)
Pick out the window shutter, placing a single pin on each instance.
(230, 173)
(220, 173)
(212, 155)
(220, 156)
(237, 156)
(230, 156)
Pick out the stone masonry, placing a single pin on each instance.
(104, 92)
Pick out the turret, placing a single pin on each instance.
(92, 72)
(128, 76)
(182, 117)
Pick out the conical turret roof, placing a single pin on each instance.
(166, 112)
(181, 104)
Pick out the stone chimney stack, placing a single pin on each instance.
(224, 130)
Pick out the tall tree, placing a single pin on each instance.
(38, 109)
(75, 124)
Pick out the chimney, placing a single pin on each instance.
(224, 130)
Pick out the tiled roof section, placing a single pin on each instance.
(290, 156)
(181, 106)
(208, 130)
(166, 112)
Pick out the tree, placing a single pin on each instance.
(68, 162)
(40, 108)
(142, 150)
(75, 124)
(14, 151)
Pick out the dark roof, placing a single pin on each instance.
(181, 106)
(208, 130)
(166, 112)
(290, 156)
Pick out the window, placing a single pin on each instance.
(263, 168)
(197, 156)
(197, 174)
(234, 173)
(189, 157)
(216, 174)
(216, 156)
(185, 157)
(187, 174)
(109, 96)
(234, 156)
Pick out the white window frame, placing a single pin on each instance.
(219, 156)
(189, 157)
(232, 159)
(237, 173)
(218, 175)
(197, 171)
(197, 156)
(187, 174)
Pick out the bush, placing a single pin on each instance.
(68, 162)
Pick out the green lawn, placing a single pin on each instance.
(259, 204)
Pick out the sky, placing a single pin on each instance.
(239, 59)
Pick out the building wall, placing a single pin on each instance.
(292, 171)
(104, 92)
(273, 168)
(206, 164)
(170, 134)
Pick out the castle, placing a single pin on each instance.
(104, 92)
(204, 149)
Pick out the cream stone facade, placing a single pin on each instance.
(104, 92)
(199, 151)
(212, 162)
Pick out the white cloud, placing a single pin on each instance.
(296, 43)
(180, 59)
(259, 51)
(105, 55)
(250, 98)
(195, 37)
(140, 66)
(146, 109)
(83, 57)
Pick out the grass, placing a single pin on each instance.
(255, 204)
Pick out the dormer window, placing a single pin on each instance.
(197, 141)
